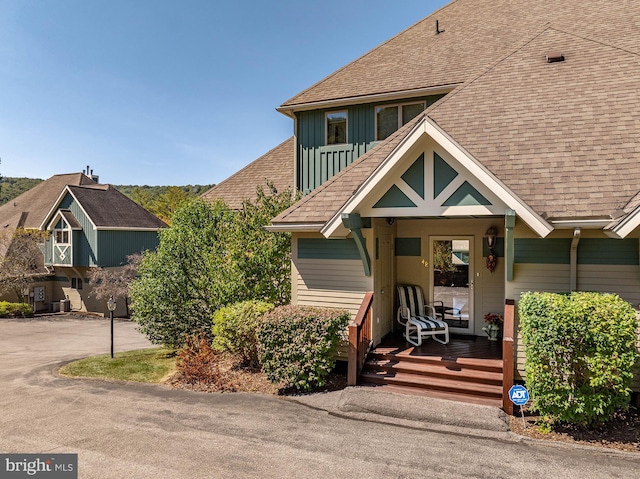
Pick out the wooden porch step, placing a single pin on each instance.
(466, 398)
(449, 385)
(436, 370)
(391, 354)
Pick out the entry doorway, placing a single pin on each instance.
(451, 279)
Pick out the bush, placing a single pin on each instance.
(297, 344)
(580, 353)
(15, 310)
(197, 361)
(235, 329)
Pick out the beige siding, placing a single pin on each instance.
(619, 279)
(534, 277)
(330, 283)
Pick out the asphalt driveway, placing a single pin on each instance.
(123, 430)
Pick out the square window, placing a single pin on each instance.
(386, 121)
(336, 128)
(409, 112)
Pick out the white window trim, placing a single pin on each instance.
(400, 107)
(66, 229)
(326, 127)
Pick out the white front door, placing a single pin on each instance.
(451, 279)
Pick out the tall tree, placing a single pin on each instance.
(185, 280)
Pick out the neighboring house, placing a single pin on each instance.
(90, 225)
(513, 121)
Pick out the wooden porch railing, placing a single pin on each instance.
(508, 332)
(359, 339)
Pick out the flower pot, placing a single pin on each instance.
(493, 331)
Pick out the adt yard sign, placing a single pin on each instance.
(518, 395)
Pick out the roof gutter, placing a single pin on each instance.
(295, 227)
(597, 223)
(377, 97)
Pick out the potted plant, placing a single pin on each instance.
(494, 325)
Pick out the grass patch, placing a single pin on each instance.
(144, 365)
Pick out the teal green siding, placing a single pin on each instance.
(115, 246)
(443, 174)
(590, 251)
(414, 176)
(466, 195)
(408, 247)
(318, 162)
(542, 251)
(394, 198)
(608, 251)
(318, 248)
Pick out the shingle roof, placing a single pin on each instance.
(275, 166)
(108, 208)
(476, 33)
(564, 137)
(30, 208)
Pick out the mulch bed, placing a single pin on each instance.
(622, 432)
(237, 378)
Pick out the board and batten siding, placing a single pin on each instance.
(328, 276)
(317, 162)
(115, 246)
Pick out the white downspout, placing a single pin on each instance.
(574, 260)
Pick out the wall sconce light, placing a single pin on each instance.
(390, 221)
(491, 235)
(492, 259)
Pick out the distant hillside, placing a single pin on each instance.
(160, 200)
(13, 187)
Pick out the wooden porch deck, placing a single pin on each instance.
(467, 369)
(460, 346)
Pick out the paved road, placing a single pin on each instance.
(146, 431)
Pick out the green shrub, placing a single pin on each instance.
(235, 329)
(297, 344)
(15, 310)
(580, 353)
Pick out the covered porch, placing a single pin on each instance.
(469, 368)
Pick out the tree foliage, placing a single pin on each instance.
(14, 187)
(184, 281)
(22, 261)
(209, 257)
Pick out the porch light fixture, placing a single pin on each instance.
(492, 258)
(491, 235)
(111, 306)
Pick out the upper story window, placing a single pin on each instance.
(389, 118)
(61, 233)
(336, 127)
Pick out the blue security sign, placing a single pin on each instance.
(518, 395)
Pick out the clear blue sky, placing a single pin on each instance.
(164, 92)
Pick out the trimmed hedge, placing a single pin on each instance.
(235, 329)
(297, 344)
(15, 310)
(580, 354)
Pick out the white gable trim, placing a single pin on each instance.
(475, 168)
(56, 204)
(626, 226)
